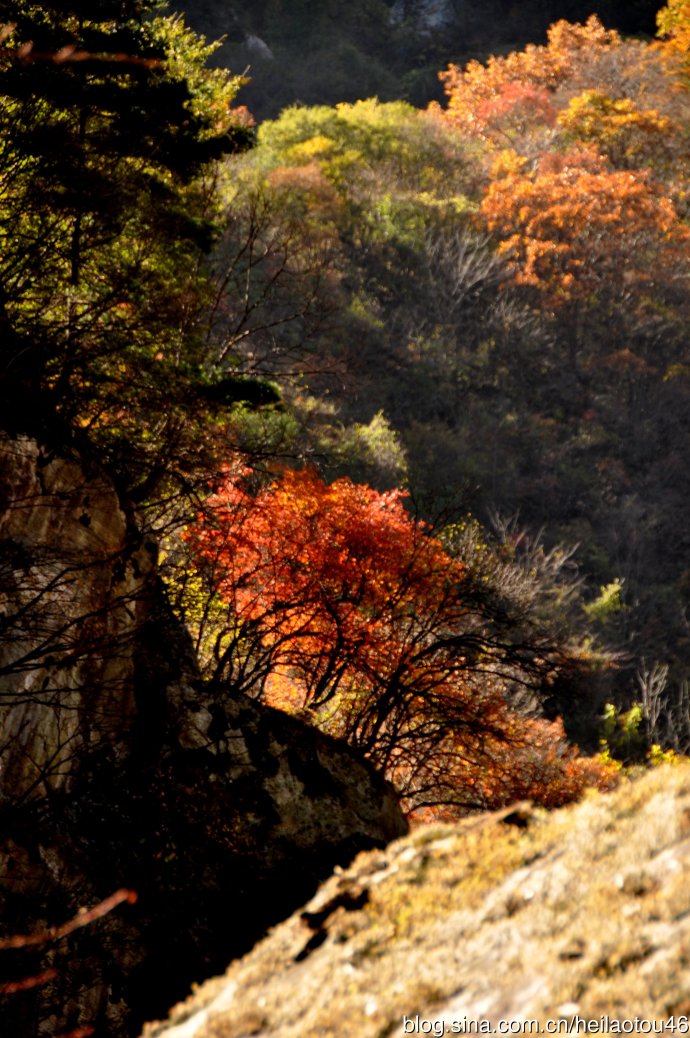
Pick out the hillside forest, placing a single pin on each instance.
(344, 450)
(402, 393)
(474, 316)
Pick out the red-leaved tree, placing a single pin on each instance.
(344, 607)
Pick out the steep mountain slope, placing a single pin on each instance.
(512, 916)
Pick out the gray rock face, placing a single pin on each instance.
(120, 768)
(426, 15)
(76, 577)
(255, 45)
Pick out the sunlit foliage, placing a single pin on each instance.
(576, 228)
(110, 121)
(349, 611)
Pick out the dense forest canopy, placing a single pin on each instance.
(490, 304)
(484, 302)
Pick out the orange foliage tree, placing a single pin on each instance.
(586, 150)
(575, 228)
(347, 609)
(480, 95)
(334, 578)
(584, 86)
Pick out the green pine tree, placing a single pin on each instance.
(110, 121)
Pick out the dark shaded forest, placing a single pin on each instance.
(328, 52)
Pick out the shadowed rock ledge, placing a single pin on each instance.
(120, 768)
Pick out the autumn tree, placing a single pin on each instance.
(481, 98)
(110, 118)
(343, 607)
(673, 22)
(605, 254)
(629, 136)
(586, 84)
(577, 228)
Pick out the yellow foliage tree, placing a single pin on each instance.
(673, 22)
(628, 136)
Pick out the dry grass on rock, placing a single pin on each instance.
(585, 911)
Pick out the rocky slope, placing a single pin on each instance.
(512, 916)
(119, 768)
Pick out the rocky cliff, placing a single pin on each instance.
(509, 917)
(75, 588)
(120, 768)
